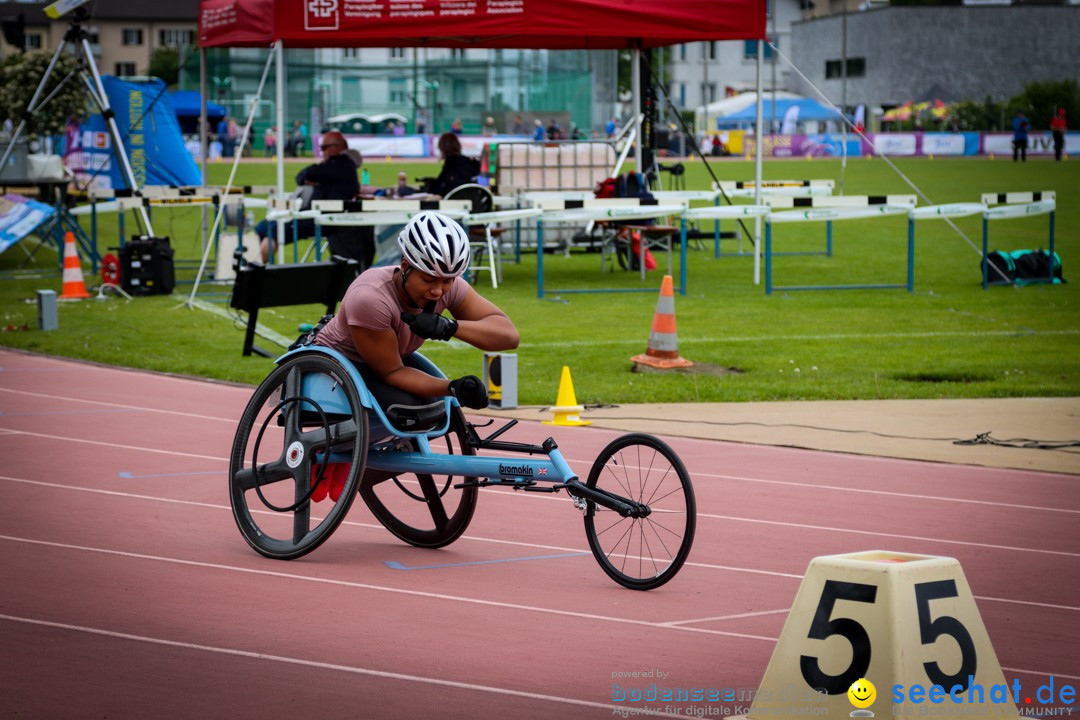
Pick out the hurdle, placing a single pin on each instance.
(606, 210)
(747, 190)
(120, 200)
(828, 210)
(374, 213)
(717, 213)
(1016, 205)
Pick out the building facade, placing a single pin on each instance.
(122, 35)
(899, 53)
(704, 72)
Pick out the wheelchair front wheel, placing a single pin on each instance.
(301, 444)
(641, 553)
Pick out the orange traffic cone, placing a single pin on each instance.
(74, 285)
(663, 349)
(566, 408)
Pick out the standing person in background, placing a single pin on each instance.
(270, 141)
(538, 130)
(1020, 136)
(611, 127)
(554, 132)
(223, 136)
(291, 139)
(519, 126)
(233, 133)
(456, 127)
(1059, 127)
(488, 129)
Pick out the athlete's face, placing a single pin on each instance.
(423, 288)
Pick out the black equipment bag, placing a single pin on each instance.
(146, 266)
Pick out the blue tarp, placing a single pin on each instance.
(808, 110)
(186, 104)
(154, 145)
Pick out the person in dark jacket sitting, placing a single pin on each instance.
(334, 178)
(457, 169)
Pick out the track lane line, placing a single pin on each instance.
(895, 536)
(377, 588)
(476, 538)
(739, 478)
(422, 594)
(382, 674)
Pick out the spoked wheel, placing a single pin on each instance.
(641, 553)
(425, 510)
(287, 495)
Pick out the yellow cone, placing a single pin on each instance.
(566, 408)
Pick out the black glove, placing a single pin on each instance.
(470, 392)
(430, 326)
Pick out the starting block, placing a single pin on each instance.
(906, 623)
(500, 379)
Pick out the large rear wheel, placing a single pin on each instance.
(425, 510)
(297, 457)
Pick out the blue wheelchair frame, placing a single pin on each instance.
(525, 473)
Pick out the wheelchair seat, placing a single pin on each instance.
(391, 412)
(413, 418)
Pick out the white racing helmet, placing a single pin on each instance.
(435, 244)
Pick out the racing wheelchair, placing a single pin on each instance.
(313, 437)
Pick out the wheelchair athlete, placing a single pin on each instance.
(388, 312)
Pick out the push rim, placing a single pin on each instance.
(277, 465)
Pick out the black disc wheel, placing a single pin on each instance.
(641, 553)
(421, 509)
(297, 457)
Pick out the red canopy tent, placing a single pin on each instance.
(557, 24)
(554, 24)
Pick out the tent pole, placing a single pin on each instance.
(204, 139)
(279, 101)
(635, 74)
(232, 176)
(757, 164)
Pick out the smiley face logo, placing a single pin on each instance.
(862, 694)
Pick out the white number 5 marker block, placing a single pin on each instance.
(906, 623)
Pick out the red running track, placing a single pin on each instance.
(128, 591)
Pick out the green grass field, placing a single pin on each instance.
(947, 339)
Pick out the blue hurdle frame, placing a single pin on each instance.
(540, 270)
(909, 285)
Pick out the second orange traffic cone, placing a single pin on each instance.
(74, 284)
(663, 349)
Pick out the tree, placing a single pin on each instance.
(20, 75)
(1041, 100)
(165, 64)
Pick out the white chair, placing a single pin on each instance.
(483, 239)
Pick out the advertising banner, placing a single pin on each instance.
(942, 144)
(20, 216)
(814, 146)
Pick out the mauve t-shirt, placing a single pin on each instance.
(372, 302)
